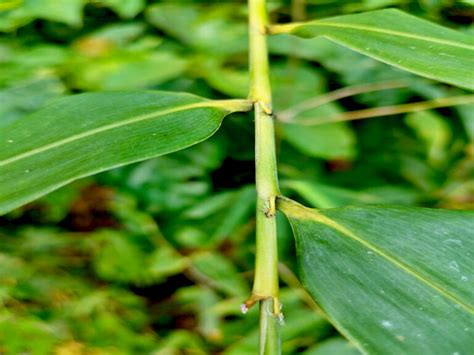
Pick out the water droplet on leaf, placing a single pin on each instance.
(454, 266)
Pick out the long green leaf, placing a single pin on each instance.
(89, 133)
(398, 39)
(394, 280)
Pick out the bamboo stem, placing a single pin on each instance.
(269, 329)
(265, 287)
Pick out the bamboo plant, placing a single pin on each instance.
(392, 280)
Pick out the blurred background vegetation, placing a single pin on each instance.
(156, 257)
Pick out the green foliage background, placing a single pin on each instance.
(156, 257)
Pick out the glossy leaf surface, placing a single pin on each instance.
(86, 134)
(394, 280)
(401, 40)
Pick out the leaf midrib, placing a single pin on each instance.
(397, 33)
(300, 212)
(295, 26)
(111, 126)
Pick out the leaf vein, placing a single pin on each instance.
(396, 33)
(104, 128)
(292, 27)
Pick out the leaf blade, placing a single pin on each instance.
(89, 133)
(398, 39)
(383, 278)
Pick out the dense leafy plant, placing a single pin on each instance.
(390, 279)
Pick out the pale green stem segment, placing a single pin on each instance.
(265, 288)
(269, 328)
(260, 91)
(266, 273)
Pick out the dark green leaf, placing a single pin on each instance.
(401, 40)
(394, 280)
(85, 134)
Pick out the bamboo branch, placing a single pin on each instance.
(289, 114)
(387, 110)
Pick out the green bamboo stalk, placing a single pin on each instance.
(269, 328)
(265, 288)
